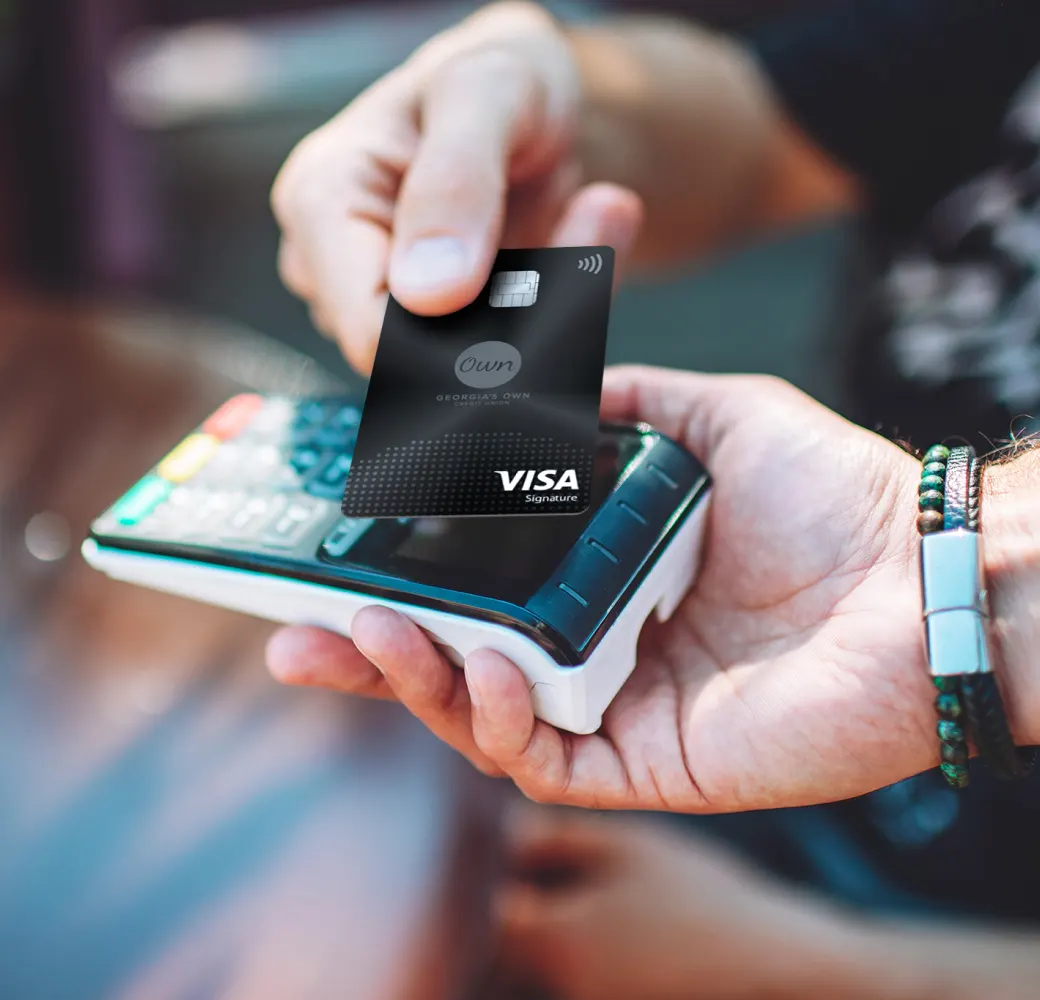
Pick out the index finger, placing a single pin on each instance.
(330, 199)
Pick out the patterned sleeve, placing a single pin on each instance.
(909, 94)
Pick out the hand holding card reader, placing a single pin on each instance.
(245, 514)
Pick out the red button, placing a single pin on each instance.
(233, 417)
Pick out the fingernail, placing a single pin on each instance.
(433, 263)
(374, 622)
(286, 644)
(473, 682)
(366, 654)
(287, 651)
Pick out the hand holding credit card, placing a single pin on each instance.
(492, 410)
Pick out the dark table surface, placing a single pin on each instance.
(172, 823)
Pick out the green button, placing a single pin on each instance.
(142, 500)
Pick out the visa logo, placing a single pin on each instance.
(546, 480)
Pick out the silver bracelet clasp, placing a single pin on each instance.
(955, 604)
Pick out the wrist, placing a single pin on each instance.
(1011, 547)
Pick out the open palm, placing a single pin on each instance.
(792, 673)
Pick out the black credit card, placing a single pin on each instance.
(494, 409)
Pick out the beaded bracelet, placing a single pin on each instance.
(953, 743)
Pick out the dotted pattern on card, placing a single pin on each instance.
(458, 476)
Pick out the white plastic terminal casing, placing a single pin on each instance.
(572, 698)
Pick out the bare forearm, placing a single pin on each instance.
(864, 959)
(685, 117)
(910, 963)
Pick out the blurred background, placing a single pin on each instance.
(171, 823)
(146, 135)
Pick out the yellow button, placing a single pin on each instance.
(188, 458)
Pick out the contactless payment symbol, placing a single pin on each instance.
(593, 264)
(514, 289)
(488, 365)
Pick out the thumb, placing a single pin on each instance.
(478, 113)
(695, 409)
